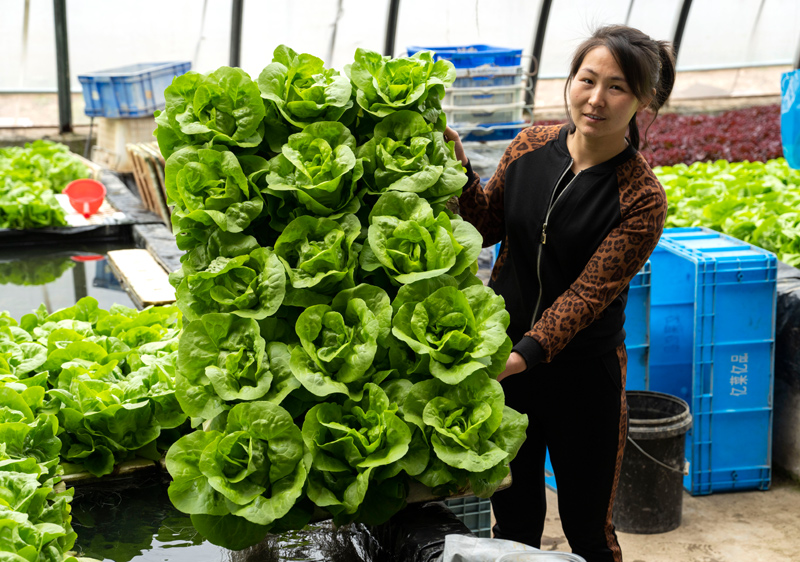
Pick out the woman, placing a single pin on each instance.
(578, 211)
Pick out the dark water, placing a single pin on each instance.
(57, 277)
(133, 520)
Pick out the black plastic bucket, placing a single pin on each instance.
(650, 491)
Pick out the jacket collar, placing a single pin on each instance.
(608, 165)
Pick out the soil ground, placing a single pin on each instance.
(754, 526)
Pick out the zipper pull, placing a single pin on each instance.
(544, 234)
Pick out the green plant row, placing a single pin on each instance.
(757, 202)
(337, 342)
(29, 179)
(80, 389)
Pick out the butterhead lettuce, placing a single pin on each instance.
(459, 331)
(320, 257)
(209, 189)
(319, 168)
(469, 427)
(350, 444)
(303, 91)
(240, 481)
(222, 358)
(407, 154)
(410, 243)
(224, 107)
(251, 286)
(339, 342)
(386, 85)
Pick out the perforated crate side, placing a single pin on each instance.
(475, 513)
(712, 328)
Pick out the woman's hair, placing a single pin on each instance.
(646, 63)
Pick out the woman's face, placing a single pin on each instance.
(600, 101)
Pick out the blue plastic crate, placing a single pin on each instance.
(136, 90)
(471, 56)
(459, 117)
(475, 513)
(549, 475)
(471, 97)
(637, 309)
(490, 131)
(712, 343)
(638, 371)
(488, 77)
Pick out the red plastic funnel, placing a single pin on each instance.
(85, 195)
(87, 257)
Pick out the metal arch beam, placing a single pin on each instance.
(391, 28)
(536, 55)
(797, 57)
(62, 67)
(236, 33)
(683, 16)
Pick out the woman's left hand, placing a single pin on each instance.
(515, 364)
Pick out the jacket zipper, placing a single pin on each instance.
(543, 238)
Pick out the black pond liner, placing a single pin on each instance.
(132, 520)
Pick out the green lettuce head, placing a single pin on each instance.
(303, 90)
(223, 107)
(351, 445)
(237, 484)
(320, 256)
(340, 342)
(460, 331)
(100, 428)
(222, 358)
(406, 154)
(469, 427)
(319, 170)
(410, 243)
(213, 243)
(209, 189)
(24, 206)
(251, 286)
(386, 85)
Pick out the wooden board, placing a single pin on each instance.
(143, 278)
(148, 171)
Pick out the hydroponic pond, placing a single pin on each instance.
(58, 277)
(133, 521)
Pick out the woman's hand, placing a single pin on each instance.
(515, 364)
(451, 135)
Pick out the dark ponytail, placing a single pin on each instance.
(647, 64)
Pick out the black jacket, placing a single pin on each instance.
(566, 258)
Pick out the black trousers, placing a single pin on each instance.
(576, 409)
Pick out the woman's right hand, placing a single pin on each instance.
(515, 364)
(451, 135)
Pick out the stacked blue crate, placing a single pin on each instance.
(135, 90)
(712, 343)
(488, 97)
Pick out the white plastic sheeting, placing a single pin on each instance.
(105, 34)
(735, 33)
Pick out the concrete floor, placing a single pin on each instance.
(757, 526)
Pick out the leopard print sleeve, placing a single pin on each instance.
(483, 206)
(643, 207)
